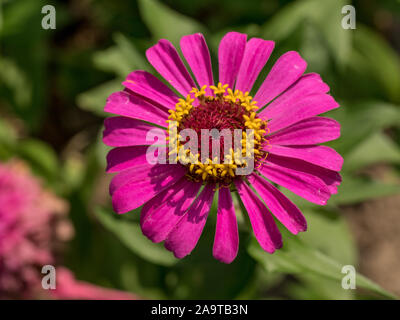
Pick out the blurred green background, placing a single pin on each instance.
(53, 86)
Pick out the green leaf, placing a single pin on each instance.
(121, 59)
(373, 56)
(164, 22)
(338, 245)
(298, 258)
(16, 80)
(129, 233)
(316, 287)
(326, 17)
(355, 190)
(41, 157)
(8, 140)
(131, 53)
(94, 99)
(359, 120)
(378, 148)
(314, 49)
(111, 60)
(7, 133)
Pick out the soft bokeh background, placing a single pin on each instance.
(53, 86)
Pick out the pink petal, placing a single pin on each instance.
(148, 86)
(230, 55)
(122, 158)
(314, 183)
(196, 53)
(128, 105)
(308, 131)
(319, 155)
(161, 214)
(256, 55)
(122, 178)
(281, 207)
(69, 288)
(332, 179)
(165, 59)
(226, 241)
(184, 237)
(141, 188)
(308, 84)
(305, 108)
(287, 69)
(262, 222)
(139, 171)
(303, 184)
(122, 132)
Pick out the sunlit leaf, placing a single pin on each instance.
(298, 258)
(330, 235)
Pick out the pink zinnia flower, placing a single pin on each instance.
(287, 133)
(33, 226)
(33, 229)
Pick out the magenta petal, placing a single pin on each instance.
(122, 158)
(123, 177)
(142, 187)
(148, 86)
(230, 55)
(305, 108)
(165, 59)
(128, 105)
(311, 182)
(184, 237)
(304, 185)
(308, 84)
(196, 53)
(123, 132)
(287, 69)
(262, 222)
(161, 214)
(308, 131)
(226, 241)
(332, 179)
(319, 155)
(280, 206)
(256, 55)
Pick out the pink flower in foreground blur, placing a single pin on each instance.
(33, 229)
(287, 132)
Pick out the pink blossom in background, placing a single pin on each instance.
(284, 114)
(70, 288)
(34, 227)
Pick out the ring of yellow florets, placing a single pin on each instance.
(212, 170)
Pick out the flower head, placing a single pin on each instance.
(278, 131)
